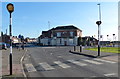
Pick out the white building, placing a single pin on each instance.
(61, 35)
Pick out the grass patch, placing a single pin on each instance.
(106, 49)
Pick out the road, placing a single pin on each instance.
(59, 62)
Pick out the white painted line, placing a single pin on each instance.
(21, 61)
(48, 47)
(104, 60)
(46, 66)
(30, 68)
(93, 76)
(61, 64)
(59, 56)
(110, 74)
(91, 61)
(77, 62)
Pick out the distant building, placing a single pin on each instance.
(15, 39)
(30, 40)
(4, 38)
(61, 35)
(89, 41)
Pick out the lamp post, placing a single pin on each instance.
(10, 8)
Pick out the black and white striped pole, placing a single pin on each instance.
(10, 8)
(98, 23)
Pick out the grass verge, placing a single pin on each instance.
(106, 49)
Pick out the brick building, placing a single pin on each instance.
(61, 35)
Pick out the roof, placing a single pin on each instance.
(65, 27)
(44, 31)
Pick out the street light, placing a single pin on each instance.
(10, 8)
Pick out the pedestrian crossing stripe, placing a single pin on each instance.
(46, 66)
(110, 74)
(91, 61)
(30, 68)
(61, 64)
(77, 62)
(104, 60)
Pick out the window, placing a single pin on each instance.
(58, 34)
(71, 34)
(71, 41)
(60, 41)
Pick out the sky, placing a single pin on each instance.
(31, 18)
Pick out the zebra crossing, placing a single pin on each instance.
(93, 62)
(82, 62)
(62, 64)
(46, 66)
(30, 67)
(77, 63)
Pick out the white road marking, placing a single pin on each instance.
(48, 47)
(59, 56)
(104, 60)
(93, 76)
(110, 74)
(30, 68)
(77, 62)
(46, 66)
(61, 64)
(91, 61)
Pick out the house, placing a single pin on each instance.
(61, 35)
(30, 40)
(89, 41)
(15, 39)
(4, 38)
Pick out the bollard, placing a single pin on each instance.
(80, 48)
(74, 48)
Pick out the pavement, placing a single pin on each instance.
(17, 70)
(94, 54)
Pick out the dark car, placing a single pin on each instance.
(3, 46)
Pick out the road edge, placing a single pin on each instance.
(21, 61)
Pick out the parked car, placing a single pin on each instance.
(3, 46)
